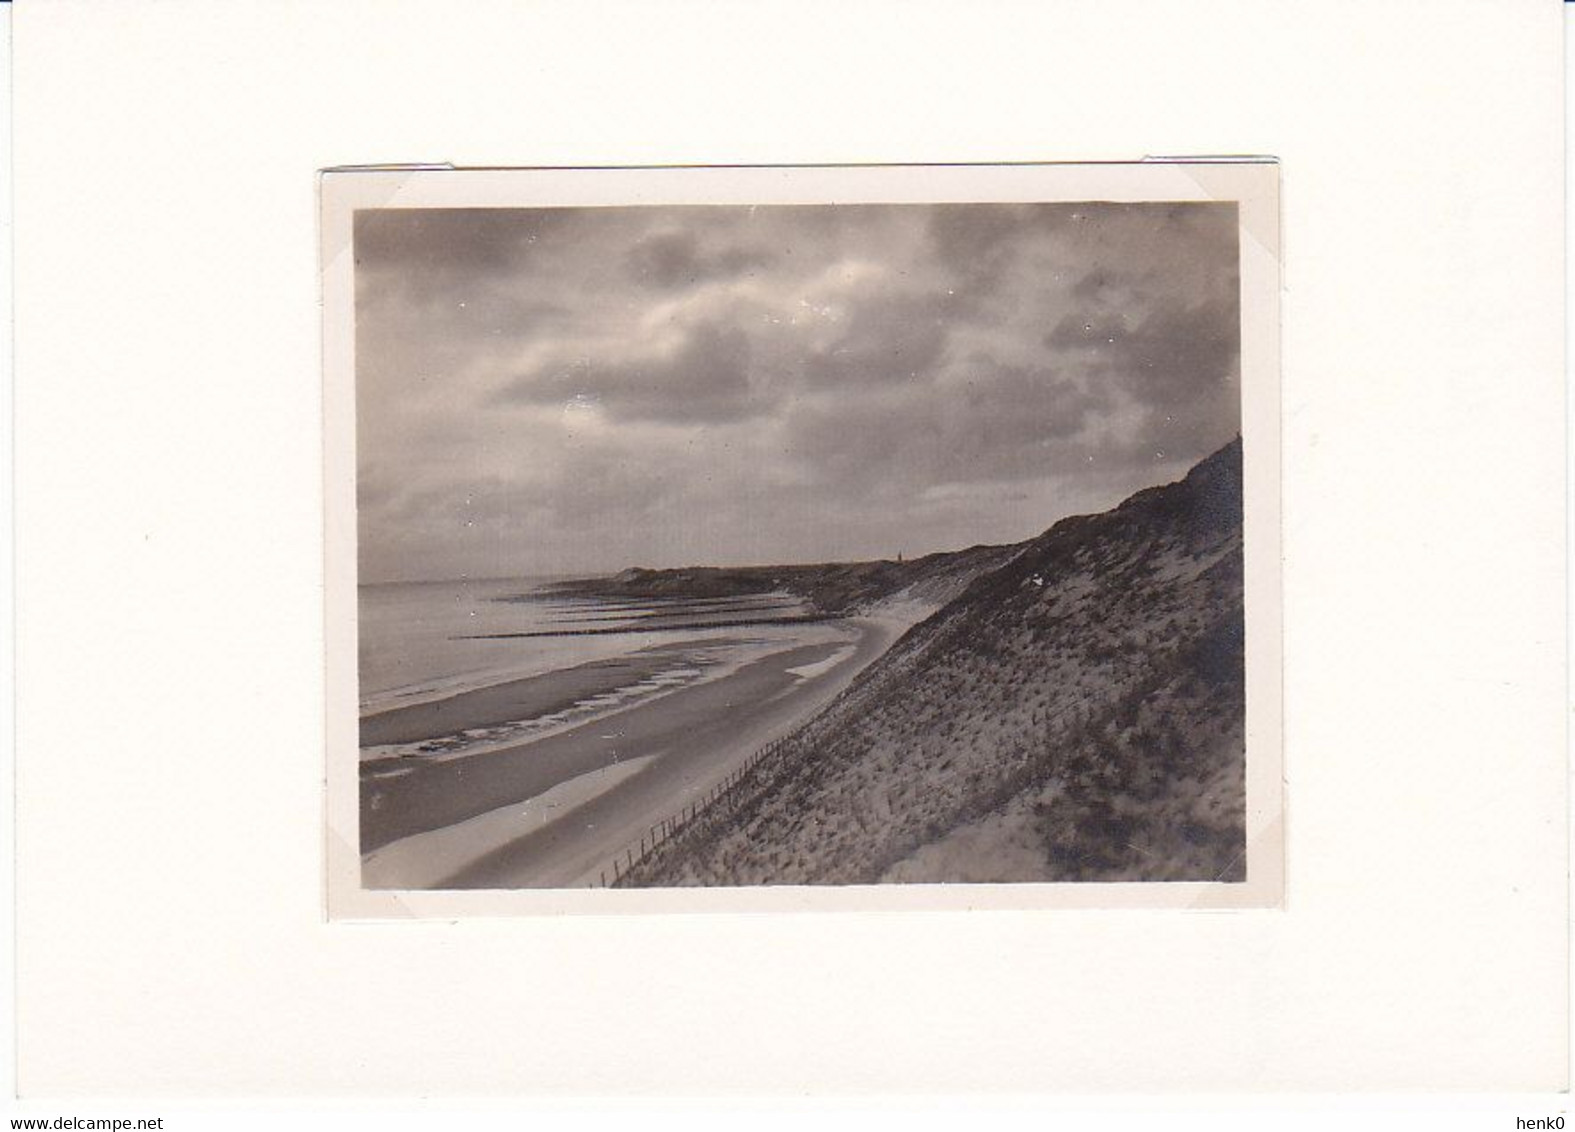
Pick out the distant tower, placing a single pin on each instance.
(899, 558)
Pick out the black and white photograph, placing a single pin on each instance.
(799, 544)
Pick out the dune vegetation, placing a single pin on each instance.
(1074, 713)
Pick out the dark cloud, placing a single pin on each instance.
(669, 260)
(546, 389)
(1095, 287)
(419, 257)
(1169, 359)
(449, 242)
(998, 423)
(889, 338)
(436, 239)
(977, 244)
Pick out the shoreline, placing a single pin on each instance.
(426, 860)
(520, 699)
(424, 791)
(691, 627)
(512, 712)
(692, 736)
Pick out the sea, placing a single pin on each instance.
(424, 641)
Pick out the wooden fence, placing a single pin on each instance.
(723, 797)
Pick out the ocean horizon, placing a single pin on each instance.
(430, 640)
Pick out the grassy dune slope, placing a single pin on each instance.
(1074, 714)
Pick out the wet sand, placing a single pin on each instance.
(534, 696)
(428, 859)
(635, 626)
(694, 737)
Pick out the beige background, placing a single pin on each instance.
(170, 617)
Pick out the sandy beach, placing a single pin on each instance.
(473, 813)
(529, 698)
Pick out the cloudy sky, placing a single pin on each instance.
(554, 391)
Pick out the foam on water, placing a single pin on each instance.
(423, 642)
(417, 639)
(478, 740)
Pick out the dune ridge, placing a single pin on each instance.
(1075, 713)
